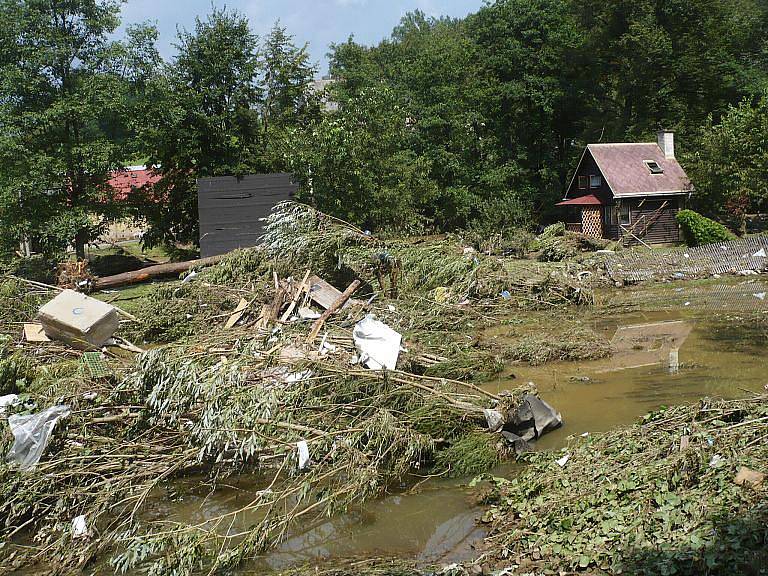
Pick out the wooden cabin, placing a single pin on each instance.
(629, 192)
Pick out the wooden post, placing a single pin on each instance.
(346, 295)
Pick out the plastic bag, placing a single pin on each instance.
(378, 344)
(31, 433)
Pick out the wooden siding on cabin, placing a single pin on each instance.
(664, 229)
(588, 167)
(231, 209)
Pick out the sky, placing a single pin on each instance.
(318, 22)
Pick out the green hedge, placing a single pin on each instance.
(698, 229)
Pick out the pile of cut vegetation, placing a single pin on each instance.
(317, 433)
(243, 385)
(681, 492)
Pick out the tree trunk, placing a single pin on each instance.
(136, 276)
(81, 239)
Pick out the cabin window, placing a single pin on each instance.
(595, 181)
(653, 167)
(583, 181)
(610, 215)
(624, 215)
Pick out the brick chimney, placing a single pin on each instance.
(666, 140)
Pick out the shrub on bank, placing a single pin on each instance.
(699, 230)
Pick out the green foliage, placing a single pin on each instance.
(16, 305)
(730, 165)
(16, 373)
(357, 165)
(573, 344)
(219, 109)
(59, 99)
(699, 230)
(170, 313)
(640, 501)
(471, 454)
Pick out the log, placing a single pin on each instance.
(338, 303)
(158, 271)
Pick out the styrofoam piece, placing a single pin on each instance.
(78, 320)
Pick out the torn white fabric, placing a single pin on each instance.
(294, 377)
(494, 418)
(759, 295)
(377, 343)
(302, 450)
(31, 433)
(563, 461)
(759, 254)
(308, 314)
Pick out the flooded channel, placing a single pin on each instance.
(660, 358)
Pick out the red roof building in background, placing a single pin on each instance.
(124, 182)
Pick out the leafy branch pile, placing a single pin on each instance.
(223, 407)
(659, 497)
(302, 237)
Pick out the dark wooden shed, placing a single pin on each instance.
(628, 191)
(232, 210)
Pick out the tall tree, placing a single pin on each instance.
(287, 75)
(54, 100)
(730, 165)
(203, 121)
(670, 63)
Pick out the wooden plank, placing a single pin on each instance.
(34, 333)
(335, 305)
(237, 313)
(322, 292)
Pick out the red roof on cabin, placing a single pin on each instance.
(626, 173)
(588, 200)
(123, 182)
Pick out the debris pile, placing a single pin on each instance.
(271, 371)
(556, 244)
(680, 492)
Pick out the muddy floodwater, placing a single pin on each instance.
(660, 358)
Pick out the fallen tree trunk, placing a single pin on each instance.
(137, 276)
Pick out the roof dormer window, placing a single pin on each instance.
(653, 167)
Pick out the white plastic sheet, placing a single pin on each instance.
(8, 400)
(79, 527)
(377, 343)
(302, 449)
(31, 433)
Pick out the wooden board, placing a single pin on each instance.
(237, 313)
(322, 293)
(35, 333)
(231, 210)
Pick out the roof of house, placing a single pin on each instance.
(625, 170)
(586, 200)
(133, 177)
